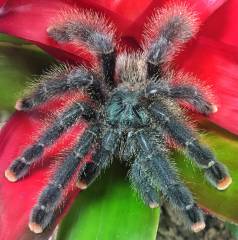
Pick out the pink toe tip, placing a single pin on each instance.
(18, 105)
(153, 205)
(36, 228)
(10, 176)
(224, 183)
(214, 108)
(197, 227)
(81, 185)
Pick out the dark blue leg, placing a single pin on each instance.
(55, 84)
(99, 38)
(216, 173)
(60, 125)
(101, 159)
(51, 196)
(187, 93)
(164, 35)
(143, 184)
(153, 160)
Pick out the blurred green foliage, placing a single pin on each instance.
(110, 209)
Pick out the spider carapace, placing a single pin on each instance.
(134, 109)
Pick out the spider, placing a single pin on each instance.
(133, 109)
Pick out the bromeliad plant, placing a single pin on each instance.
(134, 106)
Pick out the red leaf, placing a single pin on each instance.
(29, 19)
(213, 56)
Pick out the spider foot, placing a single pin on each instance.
(40, 219)
(197, 227)
(17, 170)
(82, 185)
(154, 204)
(36, 228)
(218, 176)
(214, 108)
(88, 175)
(208, 109)
(10, 175)
(18, 105)
(195, 218)
(224, 183)
(23, 104)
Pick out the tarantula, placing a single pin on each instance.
(133, 109)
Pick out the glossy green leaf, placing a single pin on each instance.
(223, 204)
(110, 209)
(17, 65)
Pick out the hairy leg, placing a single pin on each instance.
(95, 32)
(61, 124)
(216, 173)
(101, 159)
(54, 84)
(185, 92)
(143, 184)
(153, 160)
(50, 198)
(168, 29)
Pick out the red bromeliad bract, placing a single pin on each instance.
(213, 56)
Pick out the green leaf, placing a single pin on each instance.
(110, 209)
(221, 203)
(11, 39)
(17, 65)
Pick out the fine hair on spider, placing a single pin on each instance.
(133, 109)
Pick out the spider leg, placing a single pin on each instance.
(95, 32)
(51, 197)
(128, 148)
(101, 159)
(142, 183)
(61, 124)
(76, 79)
(215, 172)
(185, 92)
(153, 160)
(168, 29)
